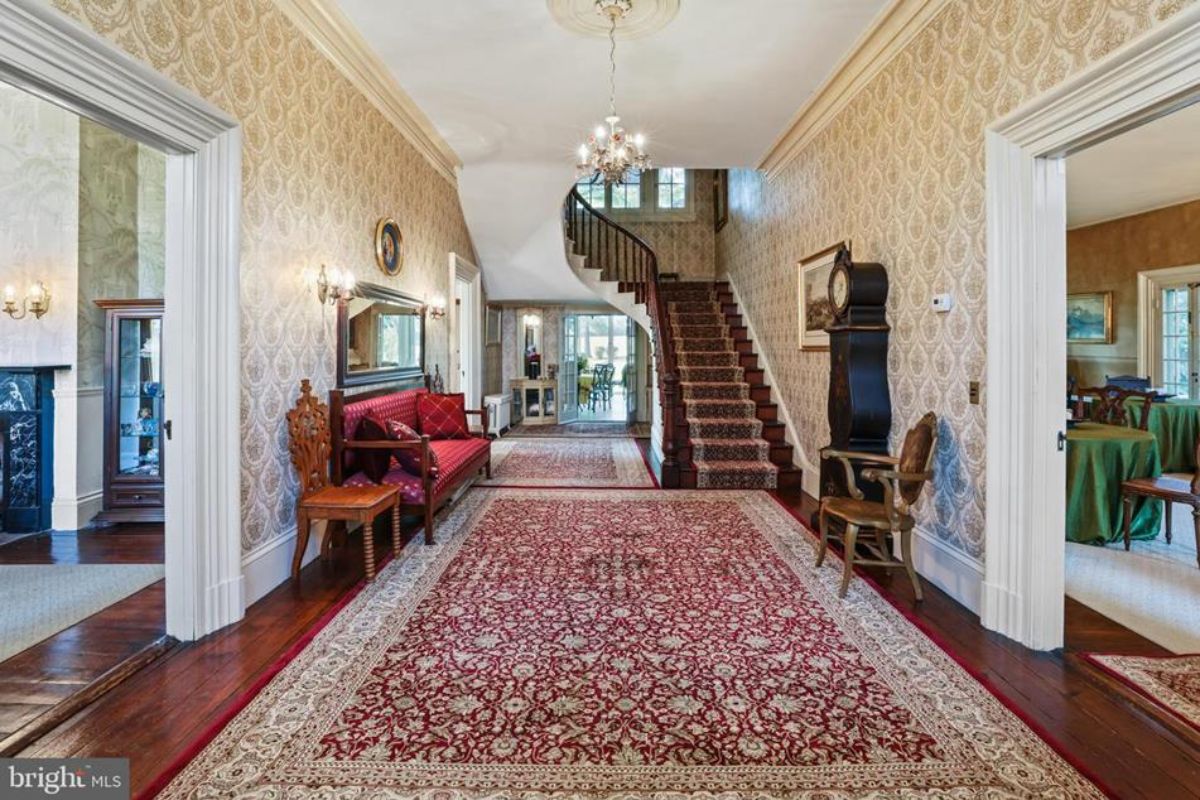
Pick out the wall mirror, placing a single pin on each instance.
(529, 331)
(381, 337)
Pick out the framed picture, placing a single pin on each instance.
(492, 334)
(389, 247)
(1090, 318)
(814, 311)
(720, 198)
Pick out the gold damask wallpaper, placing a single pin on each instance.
(900, 172)
(320, 167)
(688, 248)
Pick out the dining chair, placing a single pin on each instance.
(1168, 489)
(601, 385)
(902, 485)
(1109, 405)
(1128, 382)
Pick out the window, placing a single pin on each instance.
(1176, 336)
(657, 194)
(672, 188)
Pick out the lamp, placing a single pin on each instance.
(436, 308)
(334, 285)
(37, 300)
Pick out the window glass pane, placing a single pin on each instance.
(672, 187)
(629, 193)
(593, 192)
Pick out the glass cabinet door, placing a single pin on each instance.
(140, 397)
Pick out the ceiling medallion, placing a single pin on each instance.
(579, 16)
(610, 153)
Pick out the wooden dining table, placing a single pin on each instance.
(1099, 458)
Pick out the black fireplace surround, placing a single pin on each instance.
(26, 448)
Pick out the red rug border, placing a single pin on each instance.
(1090, 658)
(1055, 744)
(194, 748)
(238, 704)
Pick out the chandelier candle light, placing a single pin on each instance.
(610, 152)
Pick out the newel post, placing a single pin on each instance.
(670, 465)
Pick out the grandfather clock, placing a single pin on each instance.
(860, 407)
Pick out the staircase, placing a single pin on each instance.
(719, 428)
(734, 439)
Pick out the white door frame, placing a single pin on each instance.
(463, 270)
(1150, 284)
(48, 54)
(1026, 310)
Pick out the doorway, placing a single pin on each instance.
(1023, 592)
(466, 330)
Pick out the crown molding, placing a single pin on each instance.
(889, 33)
(339, 41)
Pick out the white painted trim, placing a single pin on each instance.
(74, 513)
(339, 41)
(73, 392)
(1026, 301)
(50, 55)
(948, 568)
(270, 564)
(810, 474)
(1149, 285)
(888, 34)
(463, 270)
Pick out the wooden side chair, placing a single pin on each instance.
(1134, 382)
(309, 445)
(902, 485)
(1169, 490)
(1109, 405)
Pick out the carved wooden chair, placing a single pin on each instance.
(1169, 490)
(902, 477)
(309, 445)
(1109, 405)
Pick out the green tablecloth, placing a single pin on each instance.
(1176, 425)
(1099, 457)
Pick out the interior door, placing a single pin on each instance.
(630, 378)
(1177, 368)
(568, 370)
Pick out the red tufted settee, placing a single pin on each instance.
(458, 459)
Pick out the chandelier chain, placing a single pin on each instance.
(612, 63)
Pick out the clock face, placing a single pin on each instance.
(839, 289)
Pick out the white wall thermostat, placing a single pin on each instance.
(942, 303)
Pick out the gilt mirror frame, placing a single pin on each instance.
(371, 291)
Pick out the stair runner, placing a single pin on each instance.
(728, 449)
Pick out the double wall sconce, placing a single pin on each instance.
(36, 300)
(334, 285)
(436, 308)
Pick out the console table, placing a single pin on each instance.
(534, 401)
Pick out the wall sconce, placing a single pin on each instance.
(436, 308)
(36, 300)
(531, 320)
(334, 285)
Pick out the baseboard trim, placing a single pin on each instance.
(74, 513)
(951, 570)
(269, 564)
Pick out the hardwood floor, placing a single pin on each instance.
(156, 714)
(35, 681)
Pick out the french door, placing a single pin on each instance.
(568, 370)
(1178, 370)
(630, 379)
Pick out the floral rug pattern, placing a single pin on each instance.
(568, 462)
(631, 643)
(1172, 682)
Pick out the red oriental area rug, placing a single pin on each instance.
(568, 462)
(1172, 682)
(597, 644)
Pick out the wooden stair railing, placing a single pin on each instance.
(624, 258)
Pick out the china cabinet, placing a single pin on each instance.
(133, 411)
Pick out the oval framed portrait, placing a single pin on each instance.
(389, 247)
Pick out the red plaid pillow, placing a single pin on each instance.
(443, 416)
(374, 463)
(410, 460)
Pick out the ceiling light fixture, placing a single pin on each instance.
(610, 153)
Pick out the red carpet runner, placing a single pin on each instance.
(600, 643)
(584, 461)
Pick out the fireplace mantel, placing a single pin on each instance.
(26, 446)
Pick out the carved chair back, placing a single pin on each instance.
(308, 440)
(1107, 405)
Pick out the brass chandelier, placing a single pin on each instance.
(609, 151)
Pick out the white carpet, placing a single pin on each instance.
(39, 600)
(1154, 589)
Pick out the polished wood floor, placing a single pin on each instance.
(35, 681)
(153, 716)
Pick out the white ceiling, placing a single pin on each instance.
(514, 94)
(1152, 166)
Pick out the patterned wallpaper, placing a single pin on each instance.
(688, 248)
(320, 166)
(900, 172)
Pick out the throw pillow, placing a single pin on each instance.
(410, 460)
(374, 463)
(443, 416)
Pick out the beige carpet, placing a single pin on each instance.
(1154, 589)
(39, 600)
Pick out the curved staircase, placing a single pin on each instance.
(719, 429)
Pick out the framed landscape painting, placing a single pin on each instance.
(814, 310)
(1090, 318)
